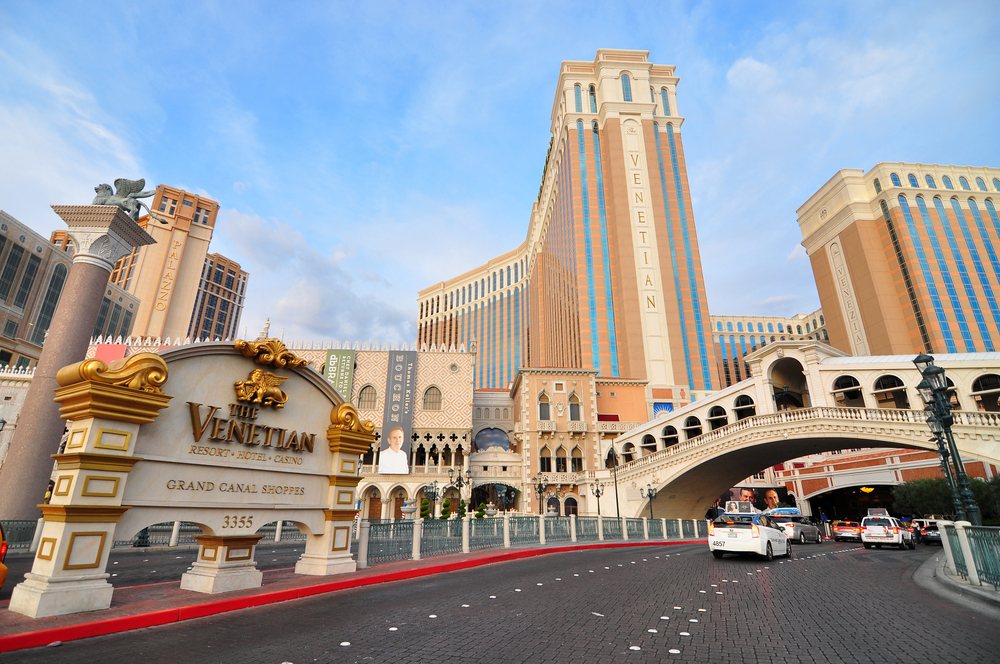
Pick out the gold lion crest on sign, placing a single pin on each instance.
(262, 387)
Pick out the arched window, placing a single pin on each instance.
(739, 327)
(543, 407)
(506, 414)
(986, 393)
(593, 99)
(570, 508)
(930, 182)
(367, 398)
(952, 394)
(628, 452)
(652, 98)
(576, 461)
(913, 180)
(744, 407)
(847, 392)
(895, 180)
(770, 328)
(665, 98)
(890, 392)
(432, 398)
(981, 184)
(717, 418)
(496, 413)
(49, 304)
(772, 339)
(479, 413)
(947, 182)
(718, 326)
(729, 326)
(821, 321)
(508, 275)
(692, 427)
(574, 408)
(578, 97)
(760, 327)
(781, 327)
(626, 88)
(494, 287)
(561, 460)
(878, 186)
(996, 184)
(515, 273)
(545, 461)
(669, 435)
(798, 329)
(648, 444)
(965, 183)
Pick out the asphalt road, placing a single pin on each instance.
(828, 603)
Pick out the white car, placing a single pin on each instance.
(879, 530)
(742, 529)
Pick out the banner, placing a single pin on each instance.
(339, 370)
(397, 417)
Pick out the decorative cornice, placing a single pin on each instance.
(270, 352)
(90, 461)
(340, 515)
(345, 416)
(145, 372)
(347, 433)
(101, 233)
(83, 513)
(127, 391)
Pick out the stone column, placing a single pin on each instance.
(946, 544)
(466, 523)
(963, 542)
(385, 508)
(101, 235)
(541, 528)
(572, 527)
(418, 527)
(506, 530)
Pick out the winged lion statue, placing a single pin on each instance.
(126, 197)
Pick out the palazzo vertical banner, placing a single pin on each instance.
(339, 370)
(397, 418)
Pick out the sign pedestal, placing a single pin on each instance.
(224, 564)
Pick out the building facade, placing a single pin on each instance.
(905, 258)
(219, 303)
(609, 276)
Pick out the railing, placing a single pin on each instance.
(702, 527)
(985, 545)
(546, 425)
(391, 540)
(635, 530)
(440, 536)
(586, 528)
(962, 418)
(673, 529)
(289, 532)
(575, 425)
(523, 529)
(19, 534)
(557, 529)
(612, 528)
(486, 533)
(956, 551)
(619, 427)
(689, 530)
(656, 529)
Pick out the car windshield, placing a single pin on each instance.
(878, 522)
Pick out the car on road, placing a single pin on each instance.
(846, 530)
(797, 527)
(931, 534)
(742, 529)
(885, 530)
(3, 554)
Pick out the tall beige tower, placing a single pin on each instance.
(165, 276)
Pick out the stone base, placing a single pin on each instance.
(326, 565)
(37, 597)
(215, 580)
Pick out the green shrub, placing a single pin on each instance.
(425, 509)
(446, 509)
(481, 512)
(461, 508)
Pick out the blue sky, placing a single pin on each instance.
(363, 151)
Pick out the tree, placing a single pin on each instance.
(461, 508)
(446, 509)
(481, 512)
(425, 509)
(927, 496)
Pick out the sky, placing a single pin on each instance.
(361, 152)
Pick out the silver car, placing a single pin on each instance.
(799, 529)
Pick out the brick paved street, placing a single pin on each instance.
(828, 603)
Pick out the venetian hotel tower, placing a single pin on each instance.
(609, 276)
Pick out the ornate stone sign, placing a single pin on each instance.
(227, 460)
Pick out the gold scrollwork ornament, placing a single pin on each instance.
(270, 352)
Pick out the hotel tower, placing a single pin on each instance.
(609, 276)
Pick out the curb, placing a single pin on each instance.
(931, 576)
(166, 616)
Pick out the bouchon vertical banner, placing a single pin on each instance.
(339, 370)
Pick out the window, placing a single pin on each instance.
(895, 180)
(878, 186)
(980, 184)
(739, 327)
(545, 461)
(543, 407)
(578, 97)
(781, 327)
(479, 413)
(652, 98)
(10, 271)
(930, 182)
(770, 328)
(821, 321)
(168, 203)
(985, 392)
(692, 427)
(913, 180)
(27, 281)
(744, 407)
(718, 326)
(201, 216)
(847, 392)
(628, 452)
(669, 436)
(576, 461)
(626, 88)
(891, 393)
(965, 183)
(432, 399)
(947, 182)
(729, 327)
(560, 460)
(666, 101)
(508, 275)
(996, 184)
(187, 204)
(515, 273)
(717, 417)
(574, 408)
(49, 304)
(648, 444)
(230, 279)
(102, 317)
(10, 329)
(593, 99)
(798, 329)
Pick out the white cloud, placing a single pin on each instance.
(749, 74)
(798, 254)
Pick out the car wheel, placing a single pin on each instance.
(867, 545)
(819, 537)
(788, 550)
(718, 554)
(878, 546)
(913, 545)
(769, 553)
(802, 538)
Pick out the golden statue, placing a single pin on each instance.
(262, 387)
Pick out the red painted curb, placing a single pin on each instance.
(153, 618)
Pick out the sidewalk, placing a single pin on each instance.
(933, 576)
(149, 605)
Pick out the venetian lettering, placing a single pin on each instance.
(237, 429)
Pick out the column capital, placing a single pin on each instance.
(101, 233)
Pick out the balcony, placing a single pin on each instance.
(576, 426)
(617, 427)
(546, 425)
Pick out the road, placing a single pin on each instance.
(832, 602)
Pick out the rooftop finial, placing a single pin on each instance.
(267, 328)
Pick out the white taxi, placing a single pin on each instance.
(743, 529)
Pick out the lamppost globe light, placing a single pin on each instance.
(935, 376)
(926, 391)
(923, 361)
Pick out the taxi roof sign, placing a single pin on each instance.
(740, 507)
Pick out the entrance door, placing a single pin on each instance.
(374, 508)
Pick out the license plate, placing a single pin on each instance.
(733, 535)
(718, 543)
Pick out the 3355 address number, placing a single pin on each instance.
(237, 522)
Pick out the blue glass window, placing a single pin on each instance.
(652, 98)
(996, 184)
(578, 97)
(943, 268)
(930, 182)
(718, 326)
(626, 88)
(494, 286)
(508, 275)
(947, 182)
(595, 353)
(666, 101)
(729, 326)
(980, 184)
(739, 327)
(605, 253)
(515, 273)
(878, 186)
(977, 262)
(929, 284)
(965, 183)
(781, 328)
(770, 327)
(593, 99)
(760, 327)
(895, 180)
(912, 180)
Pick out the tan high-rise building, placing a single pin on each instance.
(219, 303)
(165, 276)
(905, 258)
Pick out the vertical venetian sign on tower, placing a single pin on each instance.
(397, 420)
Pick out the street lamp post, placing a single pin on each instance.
(540, 485)
(649, 493)
(614, 475)
(597, 489)
(460, 481)
(934, 392)
(431, 493)
(559, 493)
